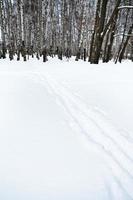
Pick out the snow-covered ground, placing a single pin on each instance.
(66, 130)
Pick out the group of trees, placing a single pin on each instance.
(87, 29)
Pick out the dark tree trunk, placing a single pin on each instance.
(44, 53)
(85, 55)
(125, 44)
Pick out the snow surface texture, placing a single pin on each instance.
(66, 131)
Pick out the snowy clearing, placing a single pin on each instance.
(66, 130)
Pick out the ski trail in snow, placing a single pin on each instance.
(107, 129)
(121, 133)
(97, 130)
(127, 136)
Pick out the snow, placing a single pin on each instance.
(66, 130)
(124, 7)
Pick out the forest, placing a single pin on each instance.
(91, 30)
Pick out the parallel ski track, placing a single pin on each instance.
(97, 130)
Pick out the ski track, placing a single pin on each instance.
(122, 133)
(97, 130)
